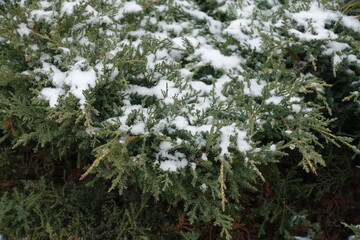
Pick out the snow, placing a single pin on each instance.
(129, 7)
(182, 123)
(334, 47)
(242, 144)
(272, 147)
(45, 4)
(52, 95)
(236, 29)
(68, 7)
(172, 165)
(23, 30)
(274, 99)
(138, 128)
(214, 57)
(80, 80)
(219, 86)
(177, 28)
(164, 90)
(315, 19)
(41, 14)
(295, 99)
(351, 22)
(203, 187)
(296, 108)
(202, 87)
(77, 79)
(214, 25)
(254, 87)
(226, 133)
(170, 162)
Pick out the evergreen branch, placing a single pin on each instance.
(309, 162)
(276, 49)
(339, 139)
(98, 159)
(150, 4)
(286, 124)
(132, 61)
(54, 42)
(257, 171)
(303, 88)
(222, 185)
(355, 5)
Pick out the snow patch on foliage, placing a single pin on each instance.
(215, 58)
(77, 79)
(274, 99)
(23, 30)
(129, 7)
(189, 44)
(68, 7)
(254, 87)
(170, 162)
(52, 95)
(314, 21)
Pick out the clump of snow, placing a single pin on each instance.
(203, 187)
(296, 108)
(334, 47)
(23, 30)
(77, 79)
(272, 147)
(138, 128)
(288, 132)
(314, 21)
(254, 87)
(170, 162)
(129, 7)
(80, 80)
(351, 22)
(229, 131)
(163, 90)
(52, 95)
(216, 59)
(237, 28)
(242, 144)
(68, 7)
(274, 99)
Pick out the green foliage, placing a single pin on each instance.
(177, 119)
(355, 229)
